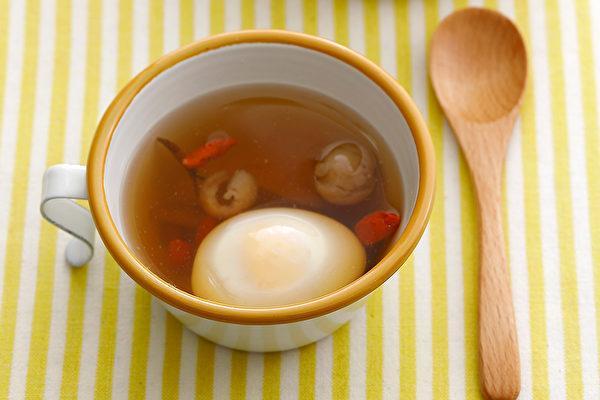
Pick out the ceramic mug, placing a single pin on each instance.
(241, 58)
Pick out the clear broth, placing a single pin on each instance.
(280, 132)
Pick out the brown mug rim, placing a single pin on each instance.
(363, 286)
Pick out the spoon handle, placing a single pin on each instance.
(498, 347)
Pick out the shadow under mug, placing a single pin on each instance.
(231, 59)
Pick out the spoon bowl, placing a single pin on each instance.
(478, 64)
(478, 69)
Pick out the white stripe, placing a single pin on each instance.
(595, 39)
(222, 372)
(171, 26)
(233, 15)
(123, 335)
(91, 321)
(254, 376)
(358, 354)
(323, 368)
(548, 217)
(294, 15)
(77, 82)
(454, 255)
(31, 231)
(58, 322)
(127, 288)
(10, 118)
(262, 13)
(325, 22)
(141, 35)
(108, 58)
(187, 371)
(517, 255)
(391, 338)
(358, 325)
(423, 335)
(201, 18)
(289, 374)
(157, 333)
(516, 243)
(95, 272)
(356, 27)
(156, 350)
(454, 266)
(422, 264)
(390, 296)
(579, 201)
(418, 48)
(387, 36)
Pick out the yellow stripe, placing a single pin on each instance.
(155, 25)
(272, 376)
(470, 266)
(173, 328)
(470, 259)
(139, 344)
(110, 290)
(491, 3)
(340, 20)
(139, 352)
(42, 311)
(307, 367)
(564, 209)
(74, 334)
(537, 309)
(406, 276)
(592, 144)
(238, 375)
(143, 302)
(239, 359)
(310, 17)
(308, 354)
(78, 276)
(247, 14)
(108, 329)
(439, 314)
(12, 261)
(340, 374)
(186, 21)
(77, 283)
(374, 306)
(272, 361)
(278, 14)
(205, 369)
(171, 363)
(217, 16)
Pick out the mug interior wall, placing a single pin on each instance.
(256, 63)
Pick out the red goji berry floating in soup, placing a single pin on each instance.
(328, 191)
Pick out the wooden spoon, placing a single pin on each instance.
(478, 68)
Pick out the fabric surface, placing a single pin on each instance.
(91, 332)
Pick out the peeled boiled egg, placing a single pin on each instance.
(274, 257)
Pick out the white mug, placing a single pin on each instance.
(241, 58)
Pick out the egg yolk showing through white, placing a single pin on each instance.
(274, 257)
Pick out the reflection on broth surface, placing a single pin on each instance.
(255, 147)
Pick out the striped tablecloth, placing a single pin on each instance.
(92, 333)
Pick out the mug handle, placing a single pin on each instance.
(61, 184)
